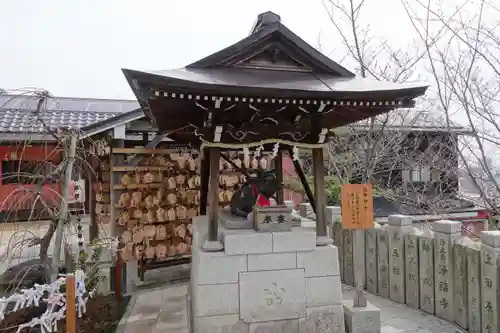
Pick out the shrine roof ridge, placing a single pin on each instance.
(267, 26)
(271, 65)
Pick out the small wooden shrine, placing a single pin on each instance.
(269, 91)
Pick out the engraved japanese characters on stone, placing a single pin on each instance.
(274, 295)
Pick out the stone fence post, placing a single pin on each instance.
(490, 278)
(348, 253)
(412, 268)
(446, 234)
(426, 273)
(474, 287)
(460, 281)
(398, 227)
(383, 262)
(371, 269)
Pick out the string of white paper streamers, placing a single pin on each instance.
(55, 300)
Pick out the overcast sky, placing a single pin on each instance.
(77, 48)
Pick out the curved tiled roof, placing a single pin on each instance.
(18, 112)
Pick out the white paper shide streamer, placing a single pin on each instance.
(295, 153)
(246, 156)
(276, 148)
(51, 295)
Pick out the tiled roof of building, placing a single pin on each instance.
(18, 112)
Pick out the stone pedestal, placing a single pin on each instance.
(265, 282)
(363, 319)
(306, 210)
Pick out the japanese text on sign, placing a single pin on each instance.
(357, 206)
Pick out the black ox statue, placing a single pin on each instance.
(257, 190)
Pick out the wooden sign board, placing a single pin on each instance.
(357, 206)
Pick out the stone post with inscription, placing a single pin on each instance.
(371, 259)
(460, 281)
(474, 287)
(399, 225)
(383, 261)
(348, 253)
(359, 259)
(426, 270)
(411, 269)
(446, 234)
(490, 278)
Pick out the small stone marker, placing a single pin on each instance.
(272, 218)
(361, 319)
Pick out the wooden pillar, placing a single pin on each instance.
(319, 195)
(114, 179)
(303, 180)
(70, 302)
(213, 243)
(205, 175)
(280, 199)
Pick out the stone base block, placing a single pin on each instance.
(362, 320)
(318, 320)
(212, 246)
(244, 241)
(230, 221)
(248, 241)
(288, 326)
(321, 262)
(323, 290)
(265, 282)
(217, 267)
(297, 240)
(216, 299)
(272, 295)
(272, 261)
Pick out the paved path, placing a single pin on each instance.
(164, 310)
(159, 310)
(399, 318)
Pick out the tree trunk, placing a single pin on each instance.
(70, 154)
